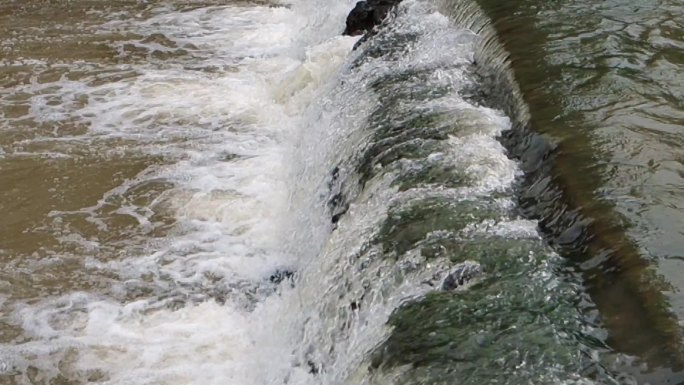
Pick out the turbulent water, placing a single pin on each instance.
(226, 192)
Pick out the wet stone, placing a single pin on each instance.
(461, 275)
(280, 275)
(338, 203)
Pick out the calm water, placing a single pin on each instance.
(603, 83)
(169, 171)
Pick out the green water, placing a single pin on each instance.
(524, 318)
(603, 81)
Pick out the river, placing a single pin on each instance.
(228, 192)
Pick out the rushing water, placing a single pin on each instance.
(225, 192)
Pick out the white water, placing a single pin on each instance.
(260, 85)
(266, 64)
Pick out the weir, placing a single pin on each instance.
(420, 189)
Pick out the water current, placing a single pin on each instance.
(231, 192)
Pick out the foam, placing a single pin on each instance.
(210, 309)
(243, 121)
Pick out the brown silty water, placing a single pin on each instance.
(79, 186)
(145, 200)
(51, 167)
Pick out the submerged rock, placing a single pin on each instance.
(461, 274)
(366, 15)
(280, 275)
(338, 204)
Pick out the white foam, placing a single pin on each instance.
(513, 229)
(239, 92)
(337, 338)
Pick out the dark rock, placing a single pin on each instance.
(337, 216)
(338, 204)
(339, 207)
(461, 274)
(280, 275)
(313, 368)
(366, 15)
(360, 19)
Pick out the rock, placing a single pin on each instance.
(280, 275)
(313, 368)
(366, 15)
(338, 204)
(461, 274)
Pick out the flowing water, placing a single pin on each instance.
(227, 192)
(604, 85)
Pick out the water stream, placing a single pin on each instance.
(228, 192)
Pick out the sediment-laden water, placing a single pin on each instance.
(227, 192)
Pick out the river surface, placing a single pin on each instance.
(603, 83)
(227, 192)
